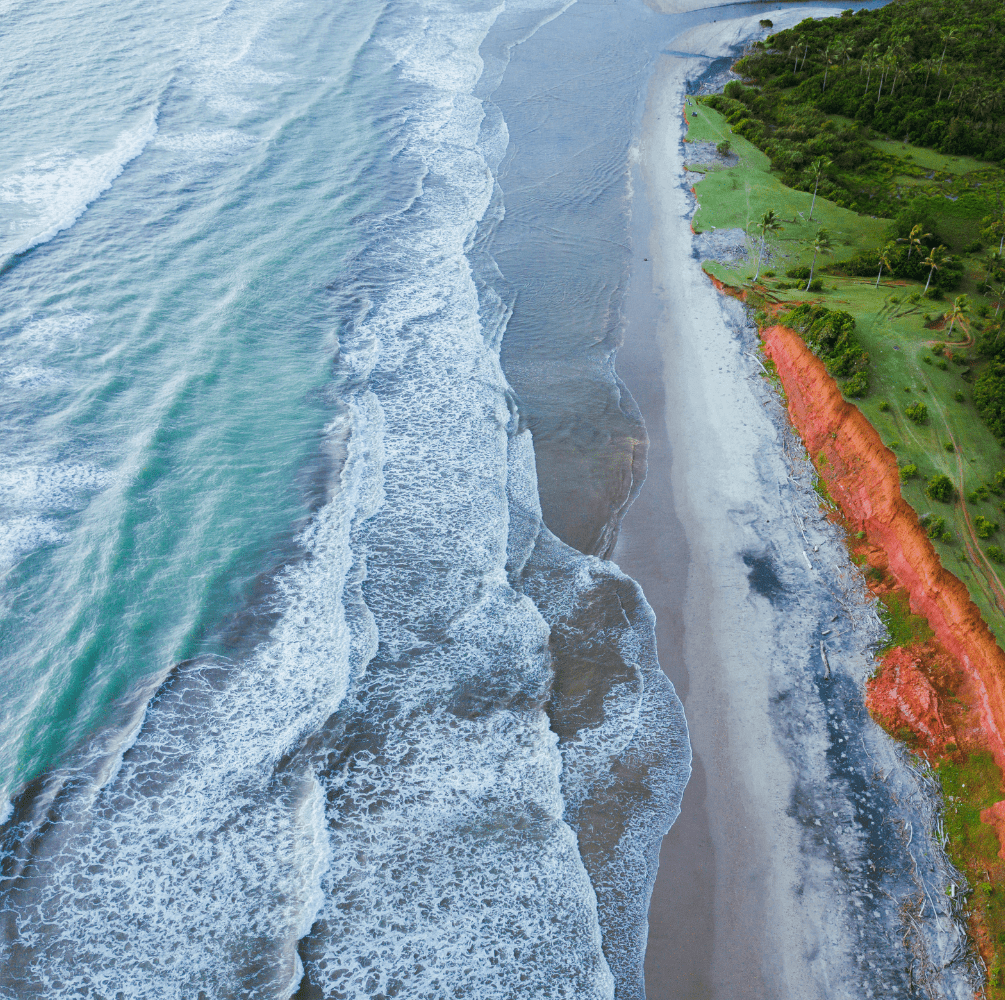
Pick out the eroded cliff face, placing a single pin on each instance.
(861, 475)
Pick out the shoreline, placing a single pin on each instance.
(764, 879)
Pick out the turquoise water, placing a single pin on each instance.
(287, 646)
(163, 354)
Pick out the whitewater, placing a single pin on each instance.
(300, 694)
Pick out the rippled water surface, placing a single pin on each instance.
(298, 691)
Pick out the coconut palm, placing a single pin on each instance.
(768, 223)
(872, 57)
(959, 312)
(936, 259)
(914, 239)
(821, 244)
(947, 39)
(816, 168)
(885, 255)
(832, 57)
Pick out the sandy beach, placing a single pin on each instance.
(788, 871)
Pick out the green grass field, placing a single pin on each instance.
(892, 328)
(735, 197)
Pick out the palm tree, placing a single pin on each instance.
(884, 255)
(888, 62)
(914, 239)
(816, 168)
(871, 56)
(829, 60)
(947, 38)
(768, 224)
(960, 310)
(936, 259)
(821, 244)
(929, 63)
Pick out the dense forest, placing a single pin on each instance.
(927, 72)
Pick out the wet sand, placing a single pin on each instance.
(767, 884)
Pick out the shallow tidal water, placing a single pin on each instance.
(300, 694)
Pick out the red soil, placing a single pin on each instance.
(902, 695)
(861, 475)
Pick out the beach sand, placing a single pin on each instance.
(767, 884)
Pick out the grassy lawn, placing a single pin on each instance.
(929, 159)
(892, 328)
(735, 197)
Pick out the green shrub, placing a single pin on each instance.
(936, 526)
(950, 447)
(831, 336)
(857, 386)
(802, 272)
(724, 147)
(940, 487)
(938, 349)
(989, 398)
(926, 359)
(995, 554)
(958, 396)
(884, 405)
(984, 527)
(918, 412)
(909, 471)
(943, 366)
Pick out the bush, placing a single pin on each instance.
(984, 527)
(918, 412)
(938, 349)
(958, 396)
(831, 336)
(884, 405)
(909, 471)
(857, 386)
(950, 447)
(995, 554)
(724, 147)
(798, 272)
(989, 398)
(940, 487)
(936, 526)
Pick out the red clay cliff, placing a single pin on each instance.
(861, 475)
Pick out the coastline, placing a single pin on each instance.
(764, 879)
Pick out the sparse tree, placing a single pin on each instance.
(885, 255)
(959, 312)
(768, 223)
(914, 239)
(935, 260)
(821, 244)
(816, 169)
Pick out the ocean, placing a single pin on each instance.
(316, 679)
